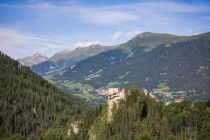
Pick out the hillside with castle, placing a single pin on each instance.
(117, 94)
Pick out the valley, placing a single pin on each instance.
(168, 66)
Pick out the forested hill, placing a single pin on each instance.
(29, 105)
(139, 117)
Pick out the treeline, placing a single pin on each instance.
(141, 118)
(29, 105)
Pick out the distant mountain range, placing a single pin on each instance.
(178, 65)
(32, 60)
(67, 58)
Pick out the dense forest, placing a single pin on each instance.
(29, 105)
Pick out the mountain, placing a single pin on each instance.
(80, 53)
(29, 105)
(32, 60)
(148, 41)
(170, 66)
(67, 58)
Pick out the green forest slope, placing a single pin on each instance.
(29, 105)
(140, 117)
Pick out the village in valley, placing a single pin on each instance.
(114, 94)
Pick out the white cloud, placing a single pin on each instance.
(121, 34)
(104, 16)
(86, 44)
(117, 35)
(93, 14)
(117, 14)
(19, 44)
(114, 14)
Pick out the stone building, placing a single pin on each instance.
(179, 100)
(115, 93)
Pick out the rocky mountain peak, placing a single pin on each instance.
(32, 60)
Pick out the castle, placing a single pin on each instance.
(179, 100)
(115, 94)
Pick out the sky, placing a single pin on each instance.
(49, 26)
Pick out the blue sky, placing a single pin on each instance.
(30, 26)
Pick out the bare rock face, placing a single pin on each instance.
(92, 134)
(74, 128)
(32, 60)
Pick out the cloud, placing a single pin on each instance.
(18, 44)
(164, 6)
(119, 34)
(114, 14)
(86, 44)
(105, 16)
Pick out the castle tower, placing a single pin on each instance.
(112, 93)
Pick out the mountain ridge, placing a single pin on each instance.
(32, 60)
(176, 62)
(62, 60)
